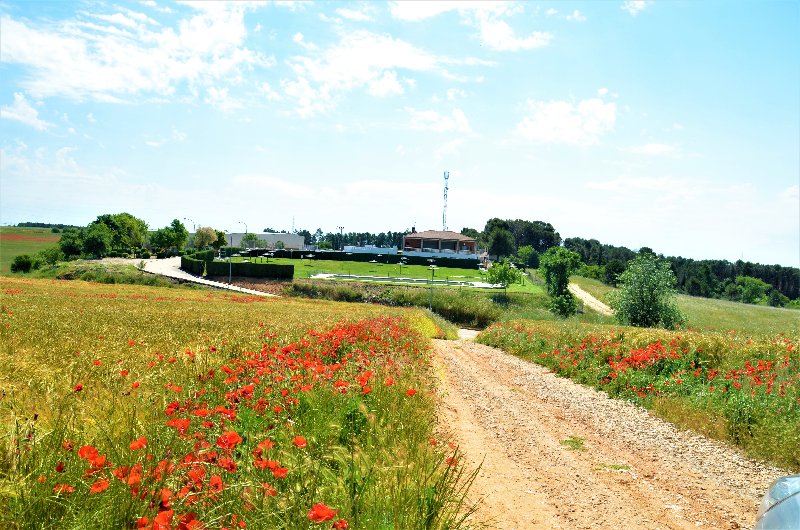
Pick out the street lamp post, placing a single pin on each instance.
(194, 229)
(430, 298)
(245, 228)
(341, 237)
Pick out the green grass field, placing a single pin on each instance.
(15, 241)
(712, 314)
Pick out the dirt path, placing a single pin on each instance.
(590, 300)
(634, 471)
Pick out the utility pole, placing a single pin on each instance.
(341, 237)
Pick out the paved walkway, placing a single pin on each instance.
(171, 267)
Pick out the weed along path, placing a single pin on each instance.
(554, 454)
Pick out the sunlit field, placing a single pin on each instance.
(15, 241)
(132, 406)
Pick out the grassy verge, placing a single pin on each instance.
(100, 272)
(744, 389)
(132, 406)
(722, 315)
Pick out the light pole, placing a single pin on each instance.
(194, 228)
(341, 237)
(245, 227)
(430, 299)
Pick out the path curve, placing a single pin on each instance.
(171, 268)
(635, 471)
(590, 300)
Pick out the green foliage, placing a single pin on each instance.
(47, 257)
(595, 272)
(71, 243)
(503, 273)
(280, 244)
(97, 239)
(646, 295)
(528, 256)
(249, 240)
(555, 266)
(180, 236)
(22, 263)
(127, 231)
(501, 242)
(563, 305)
(173, 236)
(221, 240)
(325, 245)
(752, 290)
(205, 235)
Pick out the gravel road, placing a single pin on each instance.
(634, 470)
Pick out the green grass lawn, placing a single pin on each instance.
(15, 241)
(712, 314)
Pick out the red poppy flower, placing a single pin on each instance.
(78, 387)
(320, 513)
(60, 467)
(88, 452)
(135, 385)
(216, 483)
(99, 486)
(269, 490)
(300, 442)
(341, 524)
(139, 443)
(229, 440)
(63, 488)
(280, 472)
(411, 392)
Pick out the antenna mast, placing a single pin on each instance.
(444, 211)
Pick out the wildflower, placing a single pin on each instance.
(139, 443)
(88, 452)
(63, 488)
(229, 440)
(99, 486)
(411, 392)
(78, 387)
(60, 467)
(341, 524)
(320, 513)
(216, 483)
(269, 490)
(300, 442)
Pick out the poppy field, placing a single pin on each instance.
(139, 407)
(741, 388)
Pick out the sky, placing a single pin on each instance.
(672, 125)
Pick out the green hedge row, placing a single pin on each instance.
(200, 261)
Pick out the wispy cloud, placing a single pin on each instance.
(23, 112)
(576, 16)
(431, 120)
(563, 122)
(634, 7)
(653, 149)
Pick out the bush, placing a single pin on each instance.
(563, 305)
(646, 295)
(22, 263)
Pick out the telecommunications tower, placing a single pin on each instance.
(444, 211)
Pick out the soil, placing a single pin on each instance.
(555, 454)
(274, 287)
(590, 300)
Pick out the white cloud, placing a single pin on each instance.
(791, 195)
(352, 14)
(90, 118)
(551, 12)
(386, 85)
(300, 39)
(497, 34)
(122, 55)
(449, 149)
(416, 11)
(431, 120)
(576, 16)
(23, 112)
(602, 91)
(309, 100)
(455, 93)
(634, 7)
(221, 99)
(562, 122)
(652, 149)
(268, 91)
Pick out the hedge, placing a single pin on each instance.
(199, 261)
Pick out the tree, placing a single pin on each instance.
(614, 268)
(204, 236)
(503, 273)
(752, 290)
(249, 240)
(646, 295)
(528, 256)
(501, 243)
(97, 239)
(280, 245)
(22, 263)
(221, 240)
(161, 239)
(556, 265)
(71, 243)
(180, 236)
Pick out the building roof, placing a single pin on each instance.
(439, 234)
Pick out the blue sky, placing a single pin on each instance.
(673, 125)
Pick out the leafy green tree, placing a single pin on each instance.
(614, 268)
(646, 295)
(71, 243)
(555, 266)
(221, 241)
(162, 239)
(503, 273)
(528, 256)
(180, 236)
(752, 290)
(97, 239)
(205, 235)
(249, 240)
(501, 243)
(127, 231)
(280, 244)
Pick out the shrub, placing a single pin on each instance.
(563, 305)
(646, 295)
(22, 263)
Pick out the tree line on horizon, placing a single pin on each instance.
(520, 240)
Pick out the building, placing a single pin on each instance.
(446, 243)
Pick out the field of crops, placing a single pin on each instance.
(15, 241)
(743, 388)
(140, 407)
